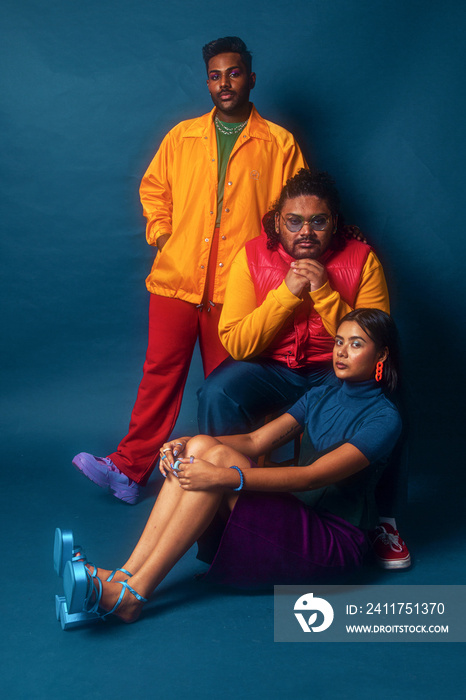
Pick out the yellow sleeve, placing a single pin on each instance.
(246, 329)
(294, 161)
(372, 294)
(156, 192)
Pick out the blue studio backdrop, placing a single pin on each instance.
(373, 91)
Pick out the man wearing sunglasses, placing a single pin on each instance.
(287, 292)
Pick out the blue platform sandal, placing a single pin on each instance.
(70, 620)
(82, 585)
(76, 579)
(65, 550)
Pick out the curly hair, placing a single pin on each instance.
(227, 44)
(305, 182)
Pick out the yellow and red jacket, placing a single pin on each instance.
(262, 317)
(179, 197)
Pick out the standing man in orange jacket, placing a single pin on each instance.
(203, 195)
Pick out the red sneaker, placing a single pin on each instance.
(389, 549)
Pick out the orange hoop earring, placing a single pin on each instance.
(378, 371)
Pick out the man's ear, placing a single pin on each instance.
(277, 222)
(252, 80)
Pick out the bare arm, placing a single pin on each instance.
(272, 435)
(328, 469)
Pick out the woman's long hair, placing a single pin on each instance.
(381, 329)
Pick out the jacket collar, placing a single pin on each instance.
(256, 127)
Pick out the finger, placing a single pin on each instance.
(302, 276)
(188, 460)
(167, 455)
(164, 462)
(178, 448)
(308, 264)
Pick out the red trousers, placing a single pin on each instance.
(174, 327)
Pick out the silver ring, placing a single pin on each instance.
(167, 449)
(179, 443)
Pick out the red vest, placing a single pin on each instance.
(303, 340)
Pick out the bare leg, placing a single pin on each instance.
(165, 506)
(184, 517)
(160, 516)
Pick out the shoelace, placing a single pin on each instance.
(388, 538)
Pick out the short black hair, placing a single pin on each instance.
(227, 44)
(381, 329)
(305, 182)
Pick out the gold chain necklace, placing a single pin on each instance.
(221, 126)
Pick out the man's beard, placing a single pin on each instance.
(307, 253)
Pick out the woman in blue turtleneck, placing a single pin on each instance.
(274, 524)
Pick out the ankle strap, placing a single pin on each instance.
(124, 571)
(125, 587)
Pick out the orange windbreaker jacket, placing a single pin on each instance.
(179, 197)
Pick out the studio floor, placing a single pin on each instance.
(193, 641)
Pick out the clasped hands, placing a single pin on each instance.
(193, 474)
(305, 274)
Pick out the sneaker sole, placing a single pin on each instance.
(87, 468)
(89, 471)
(394, 563)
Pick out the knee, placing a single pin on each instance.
(198, 445)
(217, 454)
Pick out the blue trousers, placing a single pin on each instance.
(236, 396)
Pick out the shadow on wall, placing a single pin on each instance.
(417, 260)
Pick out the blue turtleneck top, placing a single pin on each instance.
(358, 413)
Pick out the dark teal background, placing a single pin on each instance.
(375, 92)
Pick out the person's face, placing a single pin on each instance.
(355, 354)
(229, 86)
(306, 243)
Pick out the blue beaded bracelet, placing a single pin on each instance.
(241, 477)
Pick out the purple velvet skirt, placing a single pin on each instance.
(274, 538)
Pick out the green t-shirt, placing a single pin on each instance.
(225, 143)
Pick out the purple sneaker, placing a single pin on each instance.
(105, 474)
